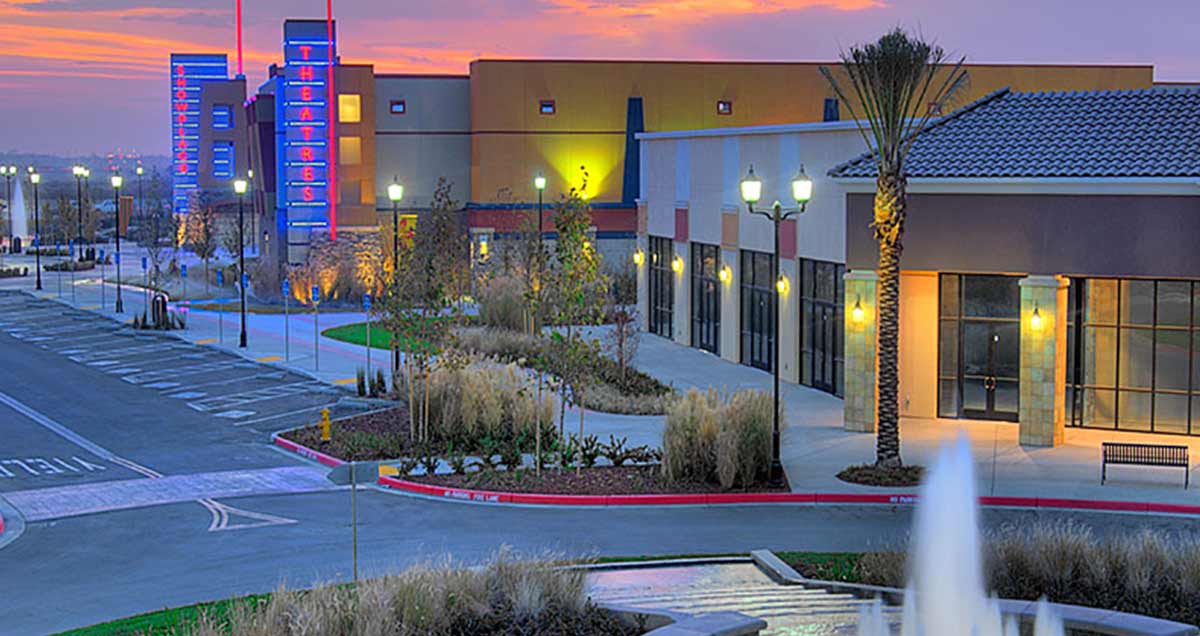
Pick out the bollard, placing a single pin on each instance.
(326, 426)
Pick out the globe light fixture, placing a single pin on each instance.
(239, 186)
(539, 182)
(802, 186)
(857, 314)
(35, 178)
(395, 192)
(781, 285)
(1035, 320)
(751, 187)
(677, 265)
(639, 257)
(725, 274)
(140, 171)
(117, 181)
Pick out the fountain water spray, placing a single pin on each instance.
(946, 594)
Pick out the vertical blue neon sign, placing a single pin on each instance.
(306, 113)
(188, 71)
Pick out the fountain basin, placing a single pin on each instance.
(1078, 620)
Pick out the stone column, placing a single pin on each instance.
(1042, 413)
(860, 350)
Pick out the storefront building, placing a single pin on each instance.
(1050, 271)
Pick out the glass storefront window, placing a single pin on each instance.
(661, 295)
(821, 320)
(1135, 357)
(706, 297)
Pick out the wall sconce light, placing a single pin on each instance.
(725, 274)
(677, 265)
(1035, 320)
(639, 257)
(857, 314)
(781, 285)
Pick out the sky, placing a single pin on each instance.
(90, 76)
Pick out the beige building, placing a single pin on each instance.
(704, 261)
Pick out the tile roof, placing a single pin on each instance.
(1133, 133)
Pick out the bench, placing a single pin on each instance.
(1145, 455)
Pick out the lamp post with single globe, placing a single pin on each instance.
(239, 187)
(34, 180)
(9, 172)
(395, 192)
(539, 184)
(751, 190)
(116, 184)
(78, 172)
(141, 201)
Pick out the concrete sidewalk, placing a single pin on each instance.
(265, 333)
(815, 447)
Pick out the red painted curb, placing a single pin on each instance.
(1, 524)
(717, 499)
(305, 451)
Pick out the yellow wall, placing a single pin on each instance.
(512, 141)
(918, 344)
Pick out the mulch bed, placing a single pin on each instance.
(598, 480)
(366, 437)
(871, 475)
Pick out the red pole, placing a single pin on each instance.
(239, 36)
(331, 109)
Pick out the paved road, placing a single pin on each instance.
(143, 466)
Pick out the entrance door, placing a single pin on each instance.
(823, 322)
(990, 371)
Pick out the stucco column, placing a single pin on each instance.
(731, 306)
(860, 350)
(1042, 413)
(641, 271)
(682, 313)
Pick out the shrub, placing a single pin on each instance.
(507, 596)
(1144, 572)
(610, 391)
(716, 439)
(502, 303)
(471, 398)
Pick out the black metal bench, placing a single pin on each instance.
(1145, 455)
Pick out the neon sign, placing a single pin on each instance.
(307, 51)
(188, 71)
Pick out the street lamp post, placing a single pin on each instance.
(78, 172)
(34, 180)
(9, 172)
(751, 190)
(539, 184)
(239, 187)
(141, 201)
(116, 184)
(395, 192)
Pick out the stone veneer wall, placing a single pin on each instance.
(860, 351)
(1042, 412)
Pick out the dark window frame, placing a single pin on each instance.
(816, 300)
(756, 316)
(1078, 328)
(706, 297)
(403, 104)
(547, 107)
(724, 107)
(661, 287)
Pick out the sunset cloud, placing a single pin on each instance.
(80, 59)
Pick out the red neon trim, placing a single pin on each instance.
(333, 182)
(239, 36)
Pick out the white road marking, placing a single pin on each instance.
(187, 395)
(281, 415)
(233, 415)
(161, 385)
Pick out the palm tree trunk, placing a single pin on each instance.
(889, 226)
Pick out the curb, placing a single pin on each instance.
(12, 527)
(306, 452)
(719, 499)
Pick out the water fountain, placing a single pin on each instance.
(946, 594)
(20, 217)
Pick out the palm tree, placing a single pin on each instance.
(898, 84)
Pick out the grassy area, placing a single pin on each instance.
(841, 566)
(167, 622)
(356, 333)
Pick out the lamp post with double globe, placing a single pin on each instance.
(751, 190)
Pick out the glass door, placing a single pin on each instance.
(823, 323)
(990, 377)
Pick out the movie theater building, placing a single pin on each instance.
(1050, 270)
(704, 263)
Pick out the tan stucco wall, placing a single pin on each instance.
(918, 344)
(432, 139)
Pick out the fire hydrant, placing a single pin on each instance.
(326, 426)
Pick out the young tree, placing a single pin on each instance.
(157, 232)
(201, 232)
(579, 291)
(894, 85)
